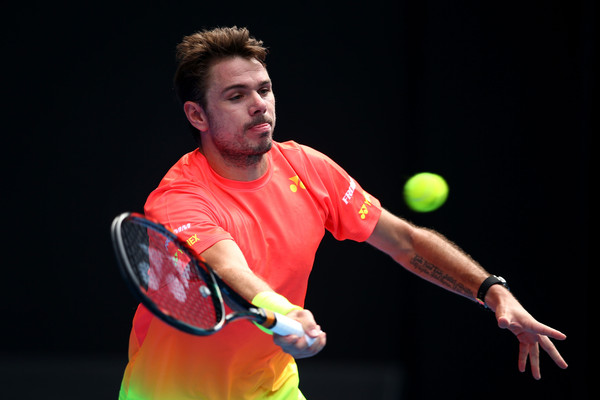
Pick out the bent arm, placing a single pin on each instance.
(228, 261)
(226, 258)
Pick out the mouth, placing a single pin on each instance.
(260, 128)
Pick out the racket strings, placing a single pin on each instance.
(168, 276)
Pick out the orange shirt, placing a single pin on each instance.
(278, 222)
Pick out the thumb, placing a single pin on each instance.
(503, 316)
(503, 322)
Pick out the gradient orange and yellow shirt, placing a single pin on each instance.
(278, 222)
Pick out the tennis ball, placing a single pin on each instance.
(425, 192)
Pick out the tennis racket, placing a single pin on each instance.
(178, 287)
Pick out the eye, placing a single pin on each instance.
(265, 91)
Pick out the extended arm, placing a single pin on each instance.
(428, 254)
(434, 258)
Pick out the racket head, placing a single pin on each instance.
(165, 276)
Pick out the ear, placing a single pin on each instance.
(196, 115)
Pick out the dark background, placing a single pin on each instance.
(496, 97)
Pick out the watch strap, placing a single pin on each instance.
(486, 285)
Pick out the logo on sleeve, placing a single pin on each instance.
(349, 192)
(192, 239)
(182, 228)
(364, 208)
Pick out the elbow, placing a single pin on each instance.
(396, 238)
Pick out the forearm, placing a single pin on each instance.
(439, 261)
(226, 258)
(428, 254)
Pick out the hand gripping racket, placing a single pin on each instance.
(178, 287)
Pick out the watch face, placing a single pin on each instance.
(502, 281)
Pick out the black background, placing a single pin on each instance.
(496, 97)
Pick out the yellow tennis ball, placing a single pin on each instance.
(425, 192)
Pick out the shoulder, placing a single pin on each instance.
(296, 152)
(181, 169)
(295, 147)
(188, 176)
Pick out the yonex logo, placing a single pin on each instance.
(363, 211)
(192, 239)
(297, 184)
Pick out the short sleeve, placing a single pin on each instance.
(187, 211)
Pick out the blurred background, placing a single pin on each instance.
(496, 97)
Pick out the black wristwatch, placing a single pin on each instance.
(486, 285)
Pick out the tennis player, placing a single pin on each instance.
(256, 210)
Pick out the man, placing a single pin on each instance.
(237, 200)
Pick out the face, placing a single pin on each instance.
(240, 110)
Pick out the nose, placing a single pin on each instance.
(258, 104)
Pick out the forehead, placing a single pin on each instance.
(236, 71)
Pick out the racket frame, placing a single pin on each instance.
(134, 285)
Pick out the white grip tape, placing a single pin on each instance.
(287, 326)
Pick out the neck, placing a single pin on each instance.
(237, 167)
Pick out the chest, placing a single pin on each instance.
(278, 227)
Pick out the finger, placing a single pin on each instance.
(286, 341)
(523, 354)
(552, 351)
(306, 351)
(314, 332)
(536, 327)
(548, 331)
(299, 343)
(534, 359)
(319, 343)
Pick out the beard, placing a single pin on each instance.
(242, 151)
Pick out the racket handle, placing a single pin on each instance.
(286, 326)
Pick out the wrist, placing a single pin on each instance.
(274, 302)
(491, 290)
(495, 296)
